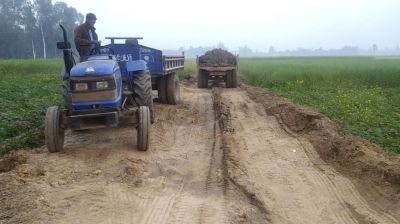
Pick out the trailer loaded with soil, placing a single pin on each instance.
(217, 64)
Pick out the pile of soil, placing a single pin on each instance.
(217, 57)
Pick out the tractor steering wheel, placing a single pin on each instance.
(101, 50)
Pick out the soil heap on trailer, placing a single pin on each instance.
(217, 64)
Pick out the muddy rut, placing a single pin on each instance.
(215, 158)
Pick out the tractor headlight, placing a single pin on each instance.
(102, 85)
(81, 86)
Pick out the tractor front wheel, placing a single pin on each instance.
(143, 128)
(54, 133)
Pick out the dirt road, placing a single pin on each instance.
(216, 158)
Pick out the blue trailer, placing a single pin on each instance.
(112, 87)
(161, 67)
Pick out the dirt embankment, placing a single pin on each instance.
(353, 155)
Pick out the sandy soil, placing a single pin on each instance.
(218, 157)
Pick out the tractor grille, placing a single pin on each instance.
(94, 96)
(91, 92)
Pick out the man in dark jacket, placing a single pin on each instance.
(86, 37)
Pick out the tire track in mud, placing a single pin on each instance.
(175, 149)
(193, 162)
(230, 163)
(214, 201)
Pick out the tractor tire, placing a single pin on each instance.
(142, 91)
(66, 87)
(231, 79)
(162, 90)
(202, 79)
(53, 131)
(173, 89)
(143, 128)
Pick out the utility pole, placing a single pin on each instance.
(44, 42)
(33, 51)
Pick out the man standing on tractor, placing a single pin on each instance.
(86, 37)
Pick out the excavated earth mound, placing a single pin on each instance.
(217, 57)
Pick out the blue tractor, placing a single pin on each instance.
(112, 87)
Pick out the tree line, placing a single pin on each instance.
(29, 28)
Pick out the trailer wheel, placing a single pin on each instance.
(234, 79)
(205, 78)
(199, 79)
(228, 79)
(53, 131)
(142, 91)
(162, 90)
(231, 79)
(202, 79)
(143, 128)
(173, 89)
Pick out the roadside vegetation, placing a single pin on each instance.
(27, 88)
(362, 94)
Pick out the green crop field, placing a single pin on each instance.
(27, 88)
(362, 94)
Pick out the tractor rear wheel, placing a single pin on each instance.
(143, 128)
(162, 90)
(142, 91)
(173, 89)
(53, 132)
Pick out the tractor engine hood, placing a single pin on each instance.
(95, 68)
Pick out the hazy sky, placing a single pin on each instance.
(284, 24)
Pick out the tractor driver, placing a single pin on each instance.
(86, 37)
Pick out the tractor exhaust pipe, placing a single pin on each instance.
(64, 34)
(69, 60)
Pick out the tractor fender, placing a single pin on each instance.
(137, 65)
